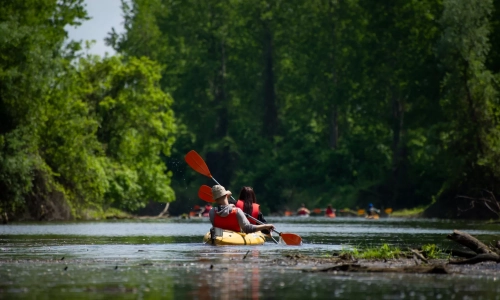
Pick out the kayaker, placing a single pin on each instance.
(207, 208)
(372, 210)
(248, 204)
(330, 212)
(303, 211)
(227, 216)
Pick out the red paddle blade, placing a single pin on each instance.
(291, 239)
(205, 193)
(195, 161)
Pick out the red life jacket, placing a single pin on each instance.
(230, 222)
(255, 210)
(329, 211)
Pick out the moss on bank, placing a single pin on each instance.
(99, 214)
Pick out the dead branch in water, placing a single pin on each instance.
(483, 252)
(489, 201)
(368, 269)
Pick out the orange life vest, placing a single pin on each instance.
(230, 222)
(255, 210)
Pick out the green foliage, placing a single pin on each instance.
(431, 251)
(76, 133)
(327, 102)
(30, 59)
(135, 126)
(383, 252)
(318, 102)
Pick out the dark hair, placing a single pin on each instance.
(248, 197)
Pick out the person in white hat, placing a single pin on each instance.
(227, 216)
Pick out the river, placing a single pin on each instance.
(165, 258)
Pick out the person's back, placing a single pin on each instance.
(303, 211)
(330, 212)
(247, 202)
(225, 217)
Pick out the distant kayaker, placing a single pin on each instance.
(227, 216)
(372, 210)
(207, 208)
(248, 204)
(330, 212)
(303, 211)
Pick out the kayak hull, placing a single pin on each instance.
(232, 238)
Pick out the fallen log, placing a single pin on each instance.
(469, 241)
(419, 255)
(440, 269)
(477, 259)
(460, 253)
(483, 252)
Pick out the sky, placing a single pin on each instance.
(105, 14)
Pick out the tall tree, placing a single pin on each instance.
(470, 100)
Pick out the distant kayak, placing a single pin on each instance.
(374, 217)
(232, 238)
(332, 215)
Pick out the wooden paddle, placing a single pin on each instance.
(205, 193)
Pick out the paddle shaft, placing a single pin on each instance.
(249, 216)
(260, 222)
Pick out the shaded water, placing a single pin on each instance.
(166, 258)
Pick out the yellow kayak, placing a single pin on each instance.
(232, 238)
(374, 217)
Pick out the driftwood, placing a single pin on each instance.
(165, 210)
(477, 259)
(359, 268)
(419, 256)
(483, 252)
(461, 253)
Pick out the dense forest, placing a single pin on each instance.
(342, 102)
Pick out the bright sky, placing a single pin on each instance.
(105, 14)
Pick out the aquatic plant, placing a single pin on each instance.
(432, 251)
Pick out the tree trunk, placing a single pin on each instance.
(219, 162)
(270, 106)
(398, 152)
(334, 127)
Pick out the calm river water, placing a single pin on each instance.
(166, 259)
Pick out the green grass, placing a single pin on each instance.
(431, 251)
(408, 213)
(383, 252)
(98, 214)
